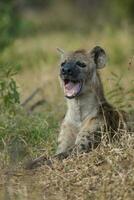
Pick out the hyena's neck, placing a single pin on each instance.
(82, 107)
(97, 88)
(86, 105)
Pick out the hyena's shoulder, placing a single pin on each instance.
(113, 118)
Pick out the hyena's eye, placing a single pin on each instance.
(80, 64)
(63, 63)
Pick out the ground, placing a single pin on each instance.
(106, 173)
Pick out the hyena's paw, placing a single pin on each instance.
(87, 143)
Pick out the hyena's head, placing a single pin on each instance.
(78, 70)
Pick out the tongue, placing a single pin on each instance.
(71, 89)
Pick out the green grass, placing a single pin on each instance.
(23, 135)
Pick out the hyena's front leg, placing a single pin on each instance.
(67, 137)
(66, 141)
(89, 136)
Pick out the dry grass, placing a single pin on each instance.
(106, 173)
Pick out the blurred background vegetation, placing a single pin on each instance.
(30, 32)
(21, 17)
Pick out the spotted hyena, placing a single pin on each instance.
(89, 116)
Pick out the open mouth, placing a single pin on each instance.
(72, 88)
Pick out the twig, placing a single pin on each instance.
(44, 160)
(37, 162)
(38, 103)
(31, 97)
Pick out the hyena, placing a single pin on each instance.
(89, 116)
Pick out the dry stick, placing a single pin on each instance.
(31, 97)
(38, 103)
(36, 162)
(44, 160)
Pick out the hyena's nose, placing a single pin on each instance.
(66, 71)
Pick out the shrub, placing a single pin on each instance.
(8, 89)
(9, 22)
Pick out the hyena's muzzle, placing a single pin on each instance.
(70, 74)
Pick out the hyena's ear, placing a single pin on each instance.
(61, 51)
(99, 56)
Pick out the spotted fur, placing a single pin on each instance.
(89, 116)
